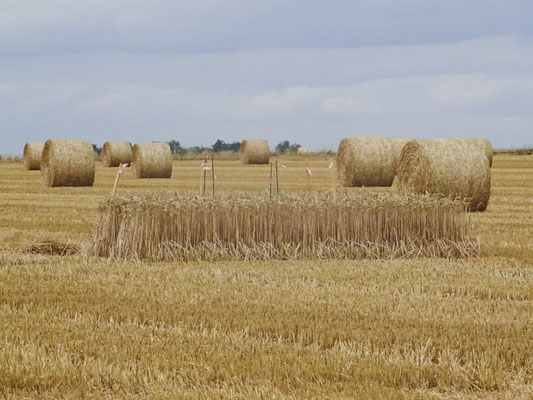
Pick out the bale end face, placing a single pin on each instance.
(454, 168)
(255, 151)
(67, 163)
(366, 161)
(116, 153)
(152, 160)
(32, 156)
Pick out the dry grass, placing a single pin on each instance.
(185, 228)
(72, 327)
(47, 245)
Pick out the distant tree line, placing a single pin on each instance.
(220, 145)
(286, 146)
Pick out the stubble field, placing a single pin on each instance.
(72, 326)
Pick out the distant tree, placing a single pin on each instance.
(199, 150)
(293, 147)
(285, 146)
(97, 150)
(175, 147)
(282, 147)
(220, 145)
(235, 146)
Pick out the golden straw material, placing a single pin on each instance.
(366, 161)
(175, 226)
(32, 156)
(398, 145)
(486, 145)
(152, 160)
(456, 168)
(67, 163)
(116, 153)
(302, 151)
(255, 151)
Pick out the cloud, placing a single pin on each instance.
(315, 97)
(32, 27)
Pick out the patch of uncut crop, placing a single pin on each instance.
(373, 225)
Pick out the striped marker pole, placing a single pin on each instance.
(119, 173)
(308, 172)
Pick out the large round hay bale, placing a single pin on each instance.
(255, 151)
(398, 145)
(455, 168)
(486, 145)
(302, 151)
(32, 156)
(366, 161)
(67, 163)
(116, 153)
(152, 160)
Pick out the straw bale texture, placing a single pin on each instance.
(374, 225)
(152, 160)
(398, 145)
(116, 153)
(486, 145)
(302, 151)
(366, 161)
(32, 156)
(456, 168)
(67, 163)
(255, 151)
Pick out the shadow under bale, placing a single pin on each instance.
(180, 227)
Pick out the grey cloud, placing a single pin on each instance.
(188, 26)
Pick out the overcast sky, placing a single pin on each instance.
(309, 71)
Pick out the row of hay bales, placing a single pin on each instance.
(71, 162)
(257, 151)
(451, 167)
(148, 160)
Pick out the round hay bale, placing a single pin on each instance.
(455, 168)
(32, 156)
(302, 151)
(486, 145)
(366, 161)
(152, 160)
(67, 163)
(255, 151)
(398, 145)
(116, 153)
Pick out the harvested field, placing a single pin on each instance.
(426, 328)
(186, 228)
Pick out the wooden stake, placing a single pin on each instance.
(205, 171)
(307, 172)
(116, 180)
(270, 180)
(277, 178)
(213, 172)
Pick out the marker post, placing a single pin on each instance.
(119, 172)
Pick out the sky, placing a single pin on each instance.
(308, 71)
